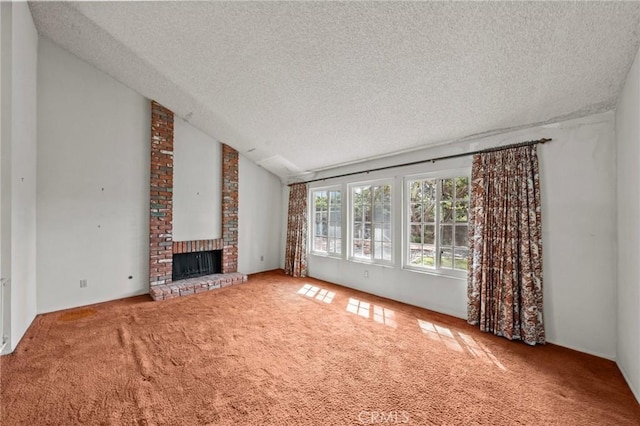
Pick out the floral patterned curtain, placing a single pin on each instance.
(295, 260)
(505, 237)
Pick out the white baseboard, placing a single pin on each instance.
(634, 391)
(583, 350)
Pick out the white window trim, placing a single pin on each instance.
(406, 224)
(349, 240)
(311, 217)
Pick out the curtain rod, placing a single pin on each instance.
(431, 160)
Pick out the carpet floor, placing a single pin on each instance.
(285, 351)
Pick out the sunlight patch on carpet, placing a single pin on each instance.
(318, 293)
(459, 342)
(358, 307)
(441, 334)
(381, 315)
(478, 350)
(384, 316)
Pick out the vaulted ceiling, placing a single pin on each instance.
(305, 86)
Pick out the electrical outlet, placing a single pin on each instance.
(366, 274)
(83, 283)
(261, 258)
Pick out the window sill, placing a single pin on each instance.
(371, 262)
(457, 275)
(327, 255)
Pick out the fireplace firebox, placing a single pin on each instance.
(190, 265)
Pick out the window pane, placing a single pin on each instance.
(386, 251)
(415, 191)
(320, 198)
(366, 248)
(377, 253)
(446, 233)
(357, 230)
(446, 258)
(429, 192)
(416, 234)
(332, 245)
(367, 231)
(320, 244)
(357, 212)
(387, 193)
(387, 212)
(416, 212)
(429, 211)
(377, 213)
(462, 236)
(429, 256)
(446, 212)
(334, 198)
(462, 211)
(338, 246)
(415, 254)
(447, 189)
(378, 194)
(377, 231)
(367, 213)
(462, 187)
(461, 259)
(429, 234)
(361, 196)
(357, 248)
(446, 200)
(321, 229)
(386, 233)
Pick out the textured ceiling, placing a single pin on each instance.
(305, 86)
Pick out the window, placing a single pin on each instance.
(438, 216)
(371, 237)
(327, 221)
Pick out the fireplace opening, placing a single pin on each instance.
(190, 265)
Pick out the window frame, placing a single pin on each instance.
(312, 222)
(406, 222)
(350, 222)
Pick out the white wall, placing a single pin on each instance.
(628, 150)
(579, 235)
(259, 219)
(19, 64)
(284, 223)
(197, 184)
(5, 174)
(93, 184)
(23, 194)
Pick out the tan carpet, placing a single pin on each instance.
(264, 353)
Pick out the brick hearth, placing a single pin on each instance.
(161, 244)
(196, 285)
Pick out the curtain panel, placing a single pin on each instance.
(295, 262)
(505, 239)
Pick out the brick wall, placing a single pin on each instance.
(197, 245)
(229, 209)
(161, 244)
(161, 196)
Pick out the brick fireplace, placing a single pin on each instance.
(161, 244)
